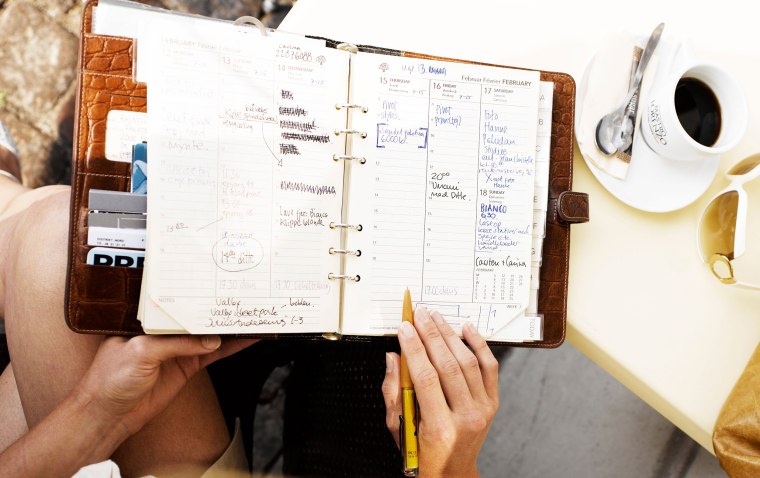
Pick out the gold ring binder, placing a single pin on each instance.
(361, 134)
(348, 157)
(358, 227)
(248, 20)
(339, 106)
(347, 252)
(332, 276)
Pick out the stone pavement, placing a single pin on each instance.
(38, 52)
(561, 415)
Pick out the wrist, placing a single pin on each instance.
(432, 472)
(105, 431)
(76, 433)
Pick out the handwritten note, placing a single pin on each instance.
(241, 141)
(447, 194)
(124, 129)
(528, 326)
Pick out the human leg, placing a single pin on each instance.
(14, 198)
(48, 359)
(11, 413)
(10, 171)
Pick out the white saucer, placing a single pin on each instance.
(653, 183)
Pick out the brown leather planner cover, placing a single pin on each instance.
(104, 300)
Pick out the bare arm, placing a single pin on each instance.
(129, 383)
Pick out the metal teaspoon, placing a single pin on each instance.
(613, 133)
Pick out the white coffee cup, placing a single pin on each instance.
(660, 124)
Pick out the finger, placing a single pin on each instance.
(489, 366)
(160, 349)
(427, 386)
(449, 372)
(228, 347)
(468, 362)
(392, 394)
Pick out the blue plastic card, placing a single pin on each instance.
(140, 168)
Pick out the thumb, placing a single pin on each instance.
(163, 348)
(228, 347)
(392, 393)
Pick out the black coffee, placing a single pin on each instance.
(698, 110)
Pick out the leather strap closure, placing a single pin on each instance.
(572, 207)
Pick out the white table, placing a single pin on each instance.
(641, 303)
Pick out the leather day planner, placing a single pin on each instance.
(104, 300)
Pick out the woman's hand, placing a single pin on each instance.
(457, 391)
(129, 382)
(132, 380)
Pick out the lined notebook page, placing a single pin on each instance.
(242, 181)
(528, 327)
(446, 196)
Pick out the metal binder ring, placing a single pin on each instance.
(248, 20)
(359, 159)
(349, 47)
(358, 227)
(338, 132)
(332, 276)
(363, 109)
(347, 252)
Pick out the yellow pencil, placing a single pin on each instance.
(409, 404)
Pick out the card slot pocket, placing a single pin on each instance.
(98, 99)
(105, 84)
(104, 299)
(107, 54)
(80, 196)
(107, 283)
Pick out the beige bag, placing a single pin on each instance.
(736, 437)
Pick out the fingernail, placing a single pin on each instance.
(437, 318)
(421, 315)
(388, 363)
(407, 330)
(211, 342)
(471, 327)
